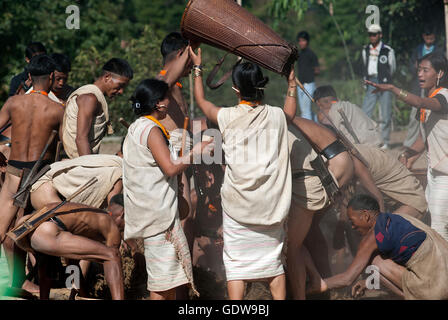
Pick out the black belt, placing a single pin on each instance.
(333, 150)
(59, 223)
(302, 174)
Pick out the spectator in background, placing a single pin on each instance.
(60, 90)
(378, 66)
(428, 46)
(63, 67)
(308, 68)
(20, 83)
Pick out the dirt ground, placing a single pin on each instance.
(211, 281)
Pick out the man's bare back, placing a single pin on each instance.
(33, 118)
(89, 222)
(79, 232)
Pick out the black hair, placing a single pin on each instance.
(171, 43)
(249, 80)
(323, 92)
(117, 199)
(62, 62)
(439, 63)
(364, 202)
(40, 66)
(304, 35)
(34, 48)
(429, 29)
(120, 67)
(147, 94)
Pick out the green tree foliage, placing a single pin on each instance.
(402, 23)
(133, 29)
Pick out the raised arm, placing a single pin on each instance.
(322, 137)
(87, 105)
(177, 68)
(209, 109)
(290, 106)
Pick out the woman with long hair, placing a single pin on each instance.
(256, 192)
(433, 117)
(151, 199)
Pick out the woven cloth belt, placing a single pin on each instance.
(13, 170)
(302, 174)
(333, 149)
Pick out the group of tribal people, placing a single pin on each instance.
(266, 212)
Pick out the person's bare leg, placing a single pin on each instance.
(163, 295)
(390, 270)
(411, 211)
(315, 277)
(188, 222)
(277, 286)
(50, 240)
(317, 247)
(84, 266)
(299, 223)
(7, 208)
(43, 195)
(235, 289)
(44, 281)
(5, 150)
(16, 258)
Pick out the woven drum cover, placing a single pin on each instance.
(226, 25)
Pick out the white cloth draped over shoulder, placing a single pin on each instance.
(150, 197)
(366, 130)
(70, 122)
(67, 176)
(257, 182)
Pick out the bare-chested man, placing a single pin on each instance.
(19, 85)
(177, 64)
(33, 118)
(60, 90)
(86, 115)
(80, 232)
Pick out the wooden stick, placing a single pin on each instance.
(44, 214)
(36, 165)
(124, 123)
(304, 90)
(184, 135)
(5, 127)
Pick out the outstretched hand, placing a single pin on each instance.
(359, 288)
(196, 58)
(379, 87)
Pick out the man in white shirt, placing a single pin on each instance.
(378, 66)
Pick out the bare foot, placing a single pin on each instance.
(30, 287)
